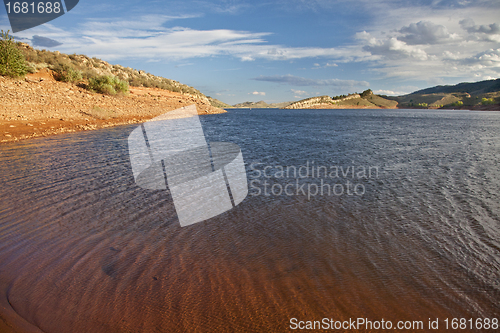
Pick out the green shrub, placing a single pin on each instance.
(457, 103)
(487, 101)
(71, 75)
(106, 84)
(12, 61)
(121, 86)
(68, 73)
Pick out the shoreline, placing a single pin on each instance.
(40, 106)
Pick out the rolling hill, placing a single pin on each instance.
(475, 88)
(365, 100)
(483, 95)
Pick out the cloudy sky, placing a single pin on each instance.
(281, 50)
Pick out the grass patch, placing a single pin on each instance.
(380, 101)
(356, 102)
(447, 99)
(100, 113)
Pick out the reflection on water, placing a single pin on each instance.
(84, 249)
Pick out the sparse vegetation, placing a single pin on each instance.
(12, 61)
(100, 113)
(70, 67)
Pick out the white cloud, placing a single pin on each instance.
(147, 38)
(425, 32)
(471, 27)
(407, 41)
(301, 81)
(391, 48)
(299, 93)
(389, 92)
(447, 55)
(489, 59)
(490, 32)
(261, 93)
(328, 64)
(433, 44)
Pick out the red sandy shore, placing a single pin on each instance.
(40, 106)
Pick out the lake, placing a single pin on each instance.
(387, 215)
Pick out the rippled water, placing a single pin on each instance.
(83, 249)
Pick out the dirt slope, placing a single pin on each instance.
(39, 106)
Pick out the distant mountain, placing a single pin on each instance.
(476, 88)
(483, 95)
(261, 105)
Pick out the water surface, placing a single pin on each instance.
(83, 249)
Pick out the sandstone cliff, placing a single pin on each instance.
(320, 102)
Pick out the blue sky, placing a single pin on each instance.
(281, 50)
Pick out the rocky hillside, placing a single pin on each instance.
(39, 105)
(89, 67)
(366, 100)
(311, 103)
(262, 105)
(66, 93)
